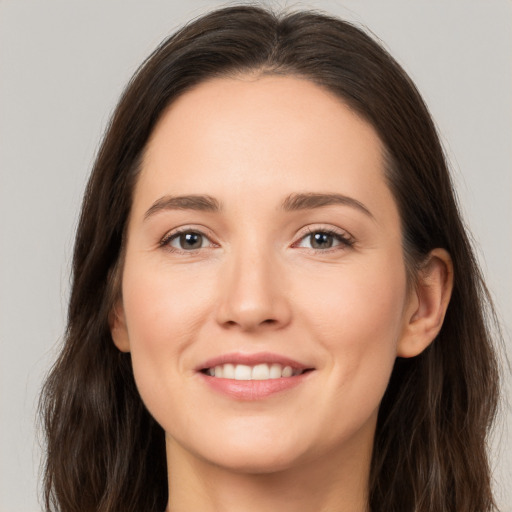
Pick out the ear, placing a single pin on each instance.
(118, 329)
(428, 303)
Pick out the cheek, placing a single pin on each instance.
(161, 307)
(359, 315)
(364, 303)
(164, 313)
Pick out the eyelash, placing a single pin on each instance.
(165, 242)
(344, 239)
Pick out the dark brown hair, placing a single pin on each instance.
(105, 452)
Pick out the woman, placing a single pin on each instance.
(275, 304)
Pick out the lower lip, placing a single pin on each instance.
(253, 389)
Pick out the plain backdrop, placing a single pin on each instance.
(63, 65)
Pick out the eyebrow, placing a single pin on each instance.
(309, 201)
(203, 203)
(294, 202)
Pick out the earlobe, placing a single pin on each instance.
(118, 329)
(429, 304)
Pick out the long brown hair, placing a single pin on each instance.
(105, 452)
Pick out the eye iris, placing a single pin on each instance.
(191, 240)
(321, 240)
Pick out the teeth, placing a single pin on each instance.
(242, 372)
(276, 371)
(261, 372)
(228, 371)
(287, 371)
(258, 372)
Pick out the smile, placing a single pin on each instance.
(248, 377)
(264, 371)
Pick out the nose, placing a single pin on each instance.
(253, 293)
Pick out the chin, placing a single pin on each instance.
(255, 461)
(249, 454)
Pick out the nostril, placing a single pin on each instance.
(269, 321)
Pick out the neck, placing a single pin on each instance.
(328, 484)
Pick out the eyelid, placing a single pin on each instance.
(176, 232)
(344, 237)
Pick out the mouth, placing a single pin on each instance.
(261, 371)
(248, 377)
(253, 367)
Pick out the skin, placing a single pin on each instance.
(256, 284)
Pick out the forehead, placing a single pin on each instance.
(271, 135)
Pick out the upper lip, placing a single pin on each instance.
(252, 360)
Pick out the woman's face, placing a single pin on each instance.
(263, 244)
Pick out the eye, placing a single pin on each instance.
(186, 240)
(324, 239)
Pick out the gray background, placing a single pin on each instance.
(63, 65)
